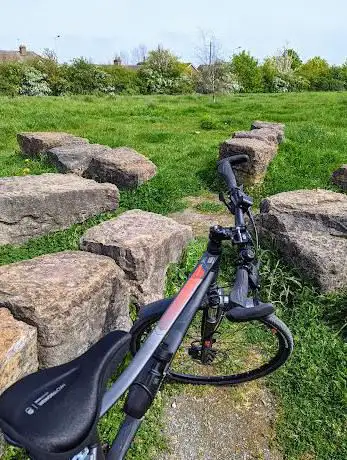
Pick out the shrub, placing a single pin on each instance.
(122, 80)
(34, 83)
(11, 76)
(55, 74)
(87, 78)
(162, 73)
(329, 84)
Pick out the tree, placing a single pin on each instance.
(163, 73)
(294, 56)
(86, 78)
(317, 72)
(269, 75)
(11, 77)
(214, 75)
(55, 73)
(279, 76)
(247, 70)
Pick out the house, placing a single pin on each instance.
(21, 55)
(191, 69)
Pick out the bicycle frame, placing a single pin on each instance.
(171, 328)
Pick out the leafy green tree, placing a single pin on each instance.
(317, 72)
(294, 56)
(338, 80)
(269, 74)
(11, 76)
(87, 78)
(55, 74)
(279, 76)
(247, 71)
(163, 73)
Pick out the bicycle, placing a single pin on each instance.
(53, 413)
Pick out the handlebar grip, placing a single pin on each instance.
(225, 169)
(238, 294)
(258, 311)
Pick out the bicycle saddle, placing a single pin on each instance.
(53, 413)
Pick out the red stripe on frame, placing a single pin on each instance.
(180, 301)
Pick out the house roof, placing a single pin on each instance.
(192, 66)
(21, 55)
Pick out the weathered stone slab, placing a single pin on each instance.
(263, 134)
(33, 144)
(277, 127)
(18, 353)
(143, 244)
(74, 158)
(31, 206)
(260, 155)
(122, 166)
(71, 297)
(309, 227)
(18, 349)
(339, 177)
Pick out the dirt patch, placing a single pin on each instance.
(221, 424)
(202, 221)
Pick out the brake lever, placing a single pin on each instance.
(230, 206)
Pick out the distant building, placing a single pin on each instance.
(21, 55)
(190, 68)
(117, 61)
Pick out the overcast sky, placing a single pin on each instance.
(100, 29)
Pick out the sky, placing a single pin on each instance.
(101, 29)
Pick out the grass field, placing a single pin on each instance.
(172, 132)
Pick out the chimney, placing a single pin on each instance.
(117, 61)
(22, 50)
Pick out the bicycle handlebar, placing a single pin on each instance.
(238, 294)
(241, 307)
(225, 169)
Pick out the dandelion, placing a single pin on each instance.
(27, 160)
(26, 171)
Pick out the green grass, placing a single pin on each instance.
(181, 135)
(167, 130)
(209, 207)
